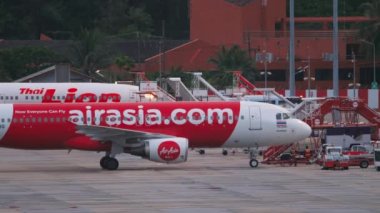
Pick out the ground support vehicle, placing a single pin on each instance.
(360, 155)
(361, 161)
(333, 158)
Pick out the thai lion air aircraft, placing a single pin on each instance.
(66, 92)
(161, 131)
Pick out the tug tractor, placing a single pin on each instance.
(333, 158)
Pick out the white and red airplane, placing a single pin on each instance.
(67, 92)
(160, 132)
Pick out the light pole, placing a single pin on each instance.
(354, 84)
(308, 78)
(374, 83)
(265, 73)
(265, 57)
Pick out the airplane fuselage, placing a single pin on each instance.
(211, 124)
(66, 92)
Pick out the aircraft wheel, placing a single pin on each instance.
(253, 163)
(225, 152)
(109, 163)
(364, 164)
(103, 162)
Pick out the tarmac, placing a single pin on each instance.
(55, 181)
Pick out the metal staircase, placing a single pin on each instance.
(271, 154)
(198, 77)
(181, 92)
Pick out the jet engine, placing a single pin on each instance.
(163, 150)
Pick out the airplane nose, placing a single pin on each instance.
(304, 130)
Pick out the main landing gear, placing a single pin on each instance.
(109, 162)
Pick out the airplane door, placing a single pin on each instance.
(5, 118)
(254, 118)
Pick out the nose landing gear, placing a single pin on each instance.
(252, 155)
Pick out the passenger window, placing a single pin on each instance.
(37, 97)
(26, 97)
(58, 119)
(51, 120)
(39, 120)
(21, 120)
(32, 97)
(2, 120)
(33, 120)
(242, 117)
(16, 97)
(9, 120)
(11, 97)
(1, 97)
(45, 120)
(27, 120)
(6, 97)
(15, 120)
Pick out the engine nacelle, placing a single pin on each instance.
(163, 150)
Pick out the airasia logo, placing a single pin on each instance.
(168, 150)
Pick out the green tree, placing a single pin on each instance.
(18, 62)
(91, 52)
(325, 8)
(124, 63)
(173, 12)
(370, 31)
(231, 59)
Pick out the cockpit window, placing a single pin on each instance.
(285, 116)
(282, 116)
(278, 116)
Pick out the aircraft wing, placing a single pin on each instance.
(124, 137)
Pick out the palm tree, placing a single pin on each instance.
(231, 59)
(90, 52)
(234, 58)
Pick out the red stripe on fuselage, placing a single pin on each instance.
(35, 132)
